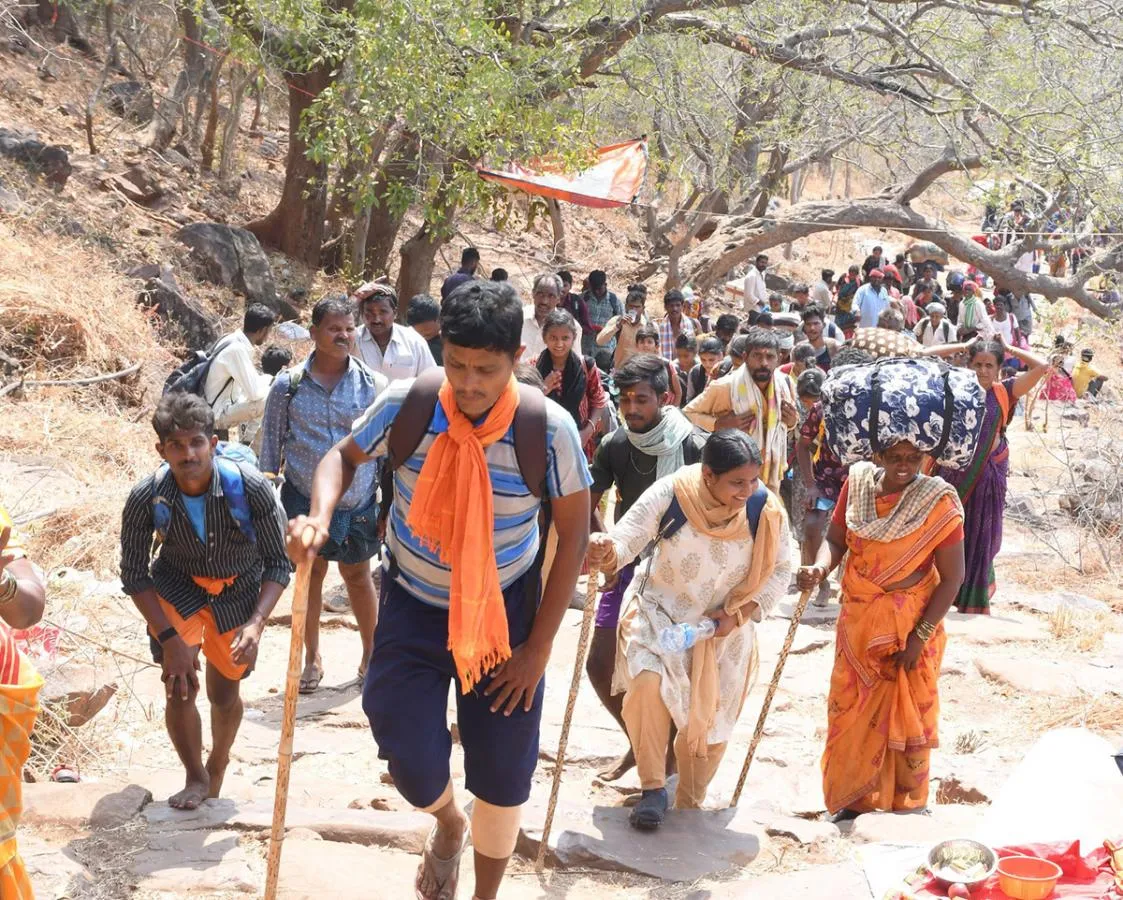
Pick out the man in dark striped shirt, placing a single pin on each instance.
(220, 569)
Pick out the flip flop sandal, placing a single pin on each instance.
(446, 872)
(311, 685)
(648, 814)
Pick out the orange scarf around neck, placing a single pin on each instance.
(452, 514)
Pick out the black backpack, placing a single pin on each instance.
(190, 376)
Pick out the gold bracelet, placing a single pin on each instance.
(924, 630)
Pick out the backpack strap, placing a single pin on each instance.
(234, 493)
(412, 422)
(161, 508)
(296, 374)
(674, 518)
(530, 439)
(754, 507)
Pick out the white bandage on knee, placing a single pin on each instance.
(443, 800)
(495, 829)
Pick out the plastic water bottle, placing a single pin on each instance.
(676, 638)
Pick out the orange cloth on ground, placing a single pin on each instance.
(19, 705)
(452, 513)
(201, 630)
(882, 721)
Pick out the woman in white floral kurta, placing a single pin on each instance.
(692, 576)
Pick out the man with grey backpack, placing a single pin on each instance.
(310, 408)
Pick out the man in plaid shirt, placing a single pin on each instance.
(674, 324)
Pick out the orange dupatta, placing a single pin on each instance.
(452, 513)
(883, 720)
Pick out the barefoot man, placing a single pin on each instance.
(460, 593)
(220, 569)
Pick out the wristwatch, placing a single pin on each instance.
(166, 635)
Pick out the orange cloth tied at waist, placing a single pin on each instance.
(214, 586)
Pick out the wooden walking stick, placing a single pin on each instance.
(575, 685)
(288, 720)
(797, 614)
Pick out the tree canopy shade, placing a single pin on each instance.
(394, 104)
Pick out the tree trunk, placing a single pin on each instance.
(206, 152)
(341, 206)
(793, 199)
(385, 221)
(233, 120)
(258, 90)
(557, 223)
(360, 228)
(418, 258)
(173, 107)
(420, 251)
(296, 224)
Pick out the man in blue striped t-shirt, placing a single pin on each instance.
(406, 691)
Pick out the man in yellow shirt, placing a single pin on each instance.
(22, 595)
(1085, 379)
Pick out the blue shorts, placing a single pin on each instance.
(352, 535)
(406, 700)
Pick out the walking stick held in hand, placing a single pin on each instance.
(797, 614)
(575, 685)
(288, 719)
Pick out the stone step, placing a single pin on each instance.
(371, 827)
(89, 804)
(692, 844)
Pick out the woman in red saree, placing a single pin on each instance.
(904, 534)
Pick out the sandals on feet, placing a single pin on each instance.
(311, 685)
(648, 814)
(445, 872)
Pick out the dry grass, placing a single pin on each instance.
(64, 313)
(1081, 630)
(103, 452)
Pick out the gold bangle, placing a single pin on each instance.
(9, 587)
(924, 630)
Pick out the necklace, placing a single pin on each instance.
(632, 460)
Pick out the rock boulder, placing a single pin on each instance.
(199, 325)
(131, 100)
(233, 258)
(51, 160)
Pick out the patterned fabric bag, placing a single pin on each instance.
(924, 401)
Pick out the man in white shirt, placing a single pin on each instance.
(935, 328)
(234, 388)
(973, 321)
(821, 293)
(756, 294)
(547, 293)
(385, 346)
(871, 299)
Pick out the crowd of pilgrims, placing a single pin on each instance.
(686, 468)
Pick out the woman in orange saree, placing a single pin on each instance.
(904, 535)
(21, 605)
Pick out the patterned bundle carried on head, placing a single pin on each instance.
(923, 401)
